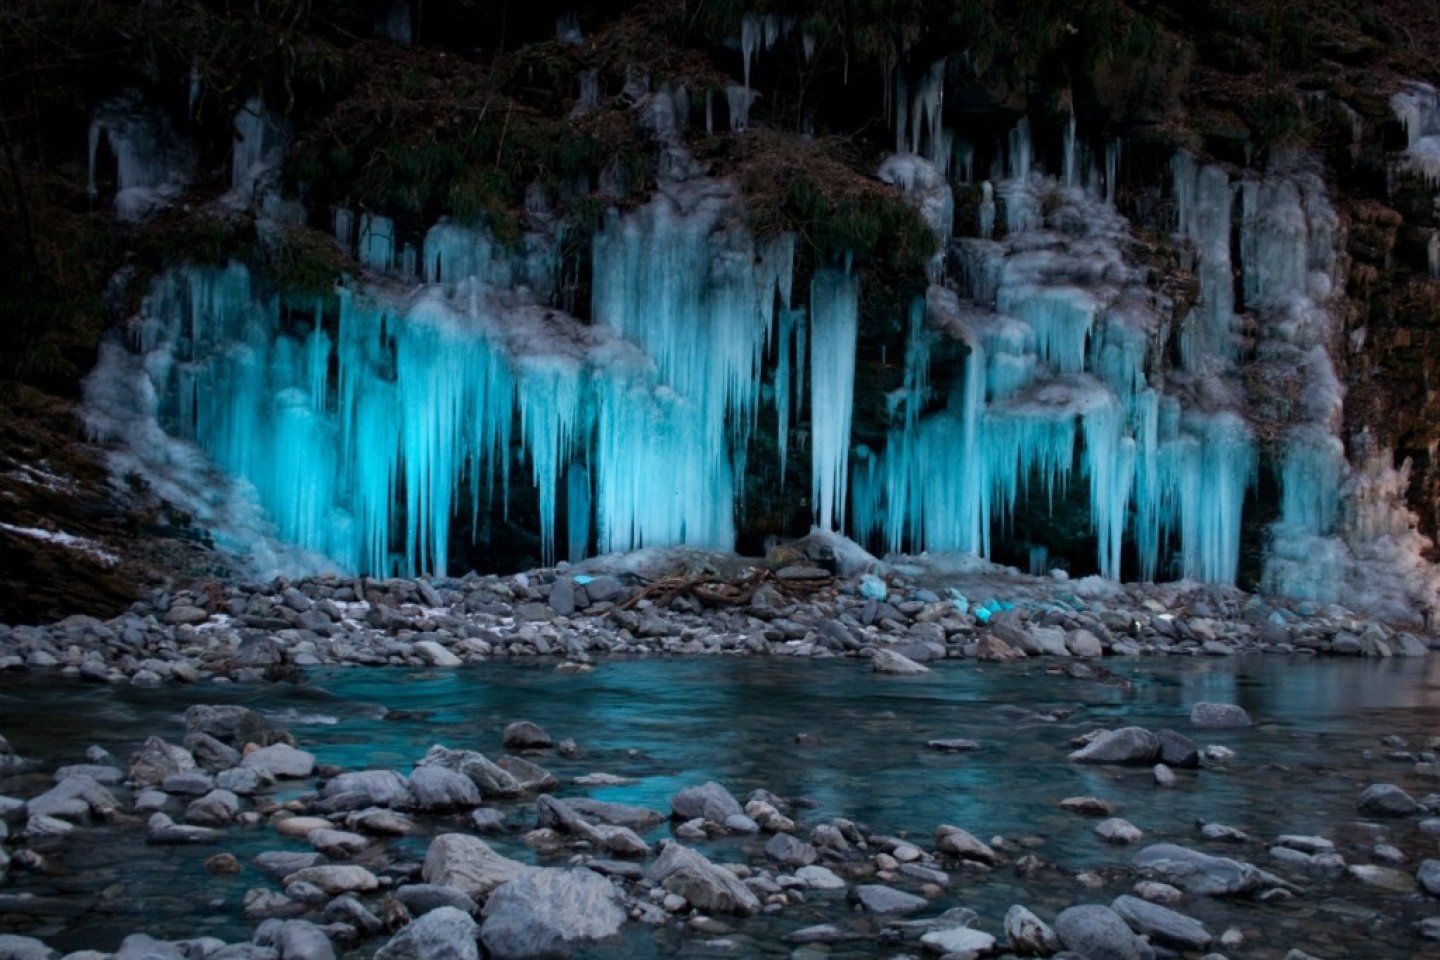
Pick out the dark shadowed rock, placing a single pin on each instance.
(524, 735)
(1178, 750)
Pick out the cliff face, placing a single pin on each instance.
(1143, 289)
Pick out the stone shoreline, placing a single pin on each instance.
(257, 631)
(603, 872)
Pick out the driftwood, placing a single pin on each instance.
(715, 590)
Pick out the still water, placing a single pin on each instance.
(851, 742)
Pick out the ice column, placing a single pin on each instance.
(834, 320)
(1203, 198)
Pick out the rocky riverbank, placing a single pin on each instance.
(457, 854)
(803, 603)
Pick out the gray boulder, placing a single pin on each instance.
(888, 661)
(490, 778)
(438, 788)
(1429, 877)
(15, 947)
(547, 912)
(369, 788)
(444, 933)
(216, 809)
(615, 814)
(210, 753)
(709, 801)
(1178, 750)
(1098, 933)
(1386, 800)
(282, 761)
(141, 946)
(961, 843)
(73, 799)
(468, 864)
(876, 898)
(157, 760)
(1200, 873)
(531, 777)
(228, 723)
(1128, 745)
(524, 735)
(1028, 934)
(702, 883)
(1219, 715)
(1161, 924)
(421, 898)
(789, 851)
(295, 940)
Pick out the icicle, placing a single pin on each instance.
(834, 305)
(987, 210)
(788, 321)
(740, 100)
(153, 164)
(1203, 199)
(749, 42)
(196, 89)
(1072, 155)
(1418, 109)
(567, 28)
(1112, 170)
(377, 242)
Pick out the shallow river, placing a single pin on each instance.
(830, 731)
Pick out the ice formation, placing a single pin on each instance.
(373, 430)
(360, 433)
(1418, 109)
(153, 164)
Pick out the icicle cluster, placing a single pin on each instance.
(361, 436)
(1060, 338)
(153, 164)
